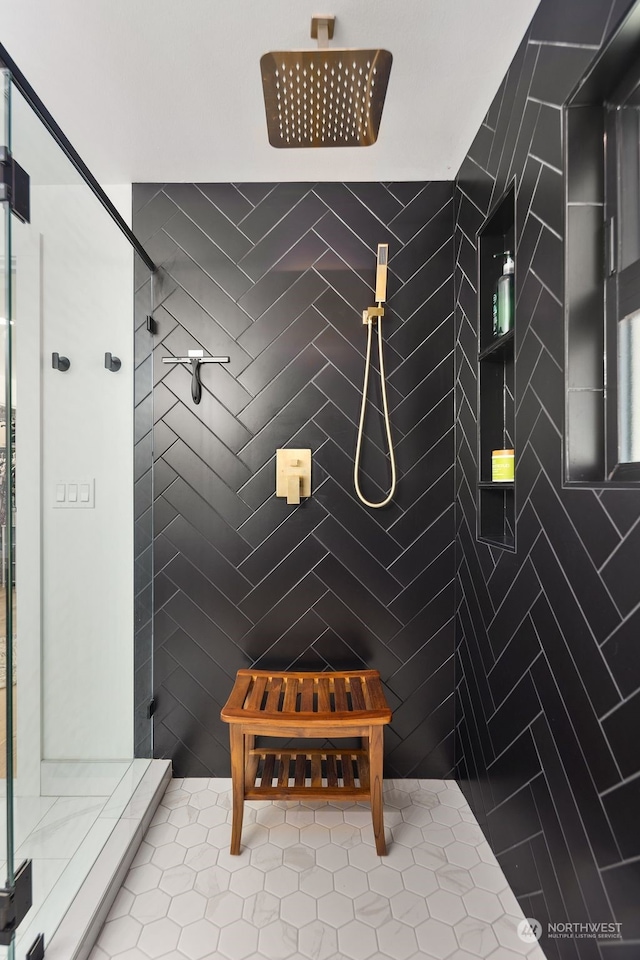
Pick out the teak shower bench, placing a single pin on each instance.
(307, 705)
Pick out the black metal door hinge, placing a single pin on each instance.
(152, 326)
(15, 903)
(14, 186)
(36, 951)
(151, 709)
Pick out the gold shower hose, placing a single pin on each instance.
(385, 407)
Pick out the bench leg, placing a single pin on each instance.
(375, 782)
(237, 777)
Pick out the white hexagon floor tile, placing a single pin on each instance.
(357, 940)
(298, 910)
(316, 882)
(318, 941)
(308, 883)
(224, 908)
(238, 940)
(198, 940)
(373, 909)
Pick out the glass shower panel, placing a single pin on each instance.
(6, 511)
(147, 288)
(629, 389)
(73, 282)
(629, 184)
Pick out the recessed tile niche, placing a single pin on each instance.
(496, 372)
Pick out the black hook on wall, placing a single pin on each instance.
(112, 363)
(60, 363)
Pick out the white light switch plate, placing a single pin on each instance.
(74, 495)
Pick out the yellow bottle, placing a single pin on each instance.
(502, 465)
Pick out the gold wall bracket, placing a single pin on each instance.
(293, 474)
(371, 314)
(322, 28)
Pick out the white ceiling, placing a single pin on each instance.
(170, 90)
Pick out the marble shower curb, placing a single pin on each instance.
(76, 935)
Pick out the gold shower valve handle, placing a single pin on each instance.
(293, 474)
(293, 489)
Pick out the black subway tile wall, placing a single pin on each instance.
(276, 277)
(547, 640)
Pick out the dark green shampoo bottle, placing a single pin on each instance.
(504, 297)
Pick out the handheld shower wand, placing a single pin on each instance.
(369, 317)
(381, 273)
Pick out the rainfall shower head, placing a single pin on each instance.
(325, 97)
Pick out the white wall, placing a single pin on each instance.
(86, 433)
(97, 66)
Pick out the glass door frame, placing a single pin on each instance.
(7, 494)
(11, 77)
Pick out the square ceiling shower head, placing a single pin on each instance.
(326, 97)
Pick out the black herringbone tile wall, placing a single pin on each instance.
(547, 641)
(276, 277)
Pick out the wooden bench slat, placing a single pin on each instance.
(283, 779)
(332, 770)
(340, 692)
(324, 698)
(316, 770)
(239, 692)
(376, 693)
(273, 697)
(267, 772)
(301, 765)
(357, 696)
(290, 695)
(306, 700)
(347, 770)
(254, 700)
